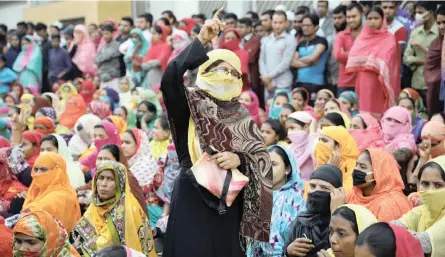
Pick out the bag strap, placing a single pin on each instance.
(222, 200)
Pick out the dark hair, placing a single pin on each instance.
(280, 13)
(164, 122)
(165, 20)
(231, 16)
(124, 109)
(396, 3)
(99, 126)
(21, 23)
(441, 10)
(367, 3)
(335, 118)
(276, 126)
(16, 109)
(52, 139)
(3, 58)
(30, 25)
(147, 17)
(334, 101)
(246, 21)
(376, 9)
(108, 27)
(170, 15)
(93, 24)
(150, 106)
(268, 12)
(304, 9)
(302, 124)
(56, 36)
(348, 215)
(157, 29)
(407, 98)
(256, 24)
(301, 11)
(431, 165)
(4, 27)
(113, 251)
(130, 131)
(200, 16)
(113, 149)
(213, 65)
(278, 150)
(282, 93)
(129, 20)
(303, 93)
(313, 17)
(289, 107)
(356, 6)
(196, 29)
(380, 240)
(254, 15)
(368, 154)
(323, 1)
(365, 126)
(341, 9)
(40, 26)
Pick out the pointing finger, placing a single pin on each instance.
(218, 13)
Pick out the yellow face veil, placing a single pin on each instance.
(221, 86)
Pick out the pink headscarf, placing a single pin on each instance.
(113, 138)
(398, 135)
(86, 51)
(371, 137)
(254, 108)
(180, 41)
(115, 33)
(99, 109)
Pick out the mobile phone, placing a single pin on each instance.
(211, 150)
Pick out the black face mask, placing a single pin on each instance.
(319, 202)
(358, 177)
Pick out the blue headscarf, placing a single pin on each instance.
(136, 76)
(29, 64)
(274, 111)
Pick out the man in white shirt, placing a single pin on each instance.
(143, 22)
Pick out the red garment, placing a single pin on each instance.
(190, 24)
(253, 47)
(159, 50)
(99, 109)
(35, 138)
(86, 90)
(4, 142)
(6, 237)
(40, 102)
(344, 40)
(17, 84)
(401, 34)
(48, 123)
(75, 107)
(374, 58)
(254, 108)
(406, 244)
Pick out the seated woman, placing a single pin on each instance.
(161, 138)
(81, 141)
(142, 164)
(285, 112)
(366, 131)
(417, 122)
(335, 119)
(40, 234)
(127, 114)
(302, 142)
(418, 101)
(250, 100)
(56, 144)
(7, 76)
(44, 126)
(300, 100)
(322, 97)
(378, 185)
(120, 123)
(332, 105)
(146, 116)
(347, 222)
(280, 99)
(273, 133)
(309, 232)
(427, 221)
(115, 216)
(52, 191)
(386, 240)
(349, 101)
(75, 108)
(337, 147)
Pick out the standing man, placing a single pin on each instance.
(298, 20)
(30, 28)
(144, 22)
(419, 43)
(107, 60)
(21, 28)
(59, 61)
(125, 27)
(266, 21)
(231, 20)
(326, 22)
(343, 43)
(394, 25)
(276, 54)
(45, 46)
(311, 57)
(339, 17)
(252, 44)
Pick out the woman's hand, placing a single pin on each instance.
(19, 121)
(212, 28)
(226, 160)
(335, 159)
(425, 149)
(338, 198)
(300, 247)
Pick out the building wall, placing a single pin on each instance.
(11, 13)
(113, 9)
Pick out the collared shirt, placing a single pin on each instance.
(59, 61)
(245, 39)
(414, 53)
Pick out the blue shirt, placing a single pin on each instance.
(313, 74)
(59, 60)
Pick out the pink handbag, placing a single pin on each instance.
(224, 184)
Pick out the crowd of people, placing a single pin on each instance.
(308, 133)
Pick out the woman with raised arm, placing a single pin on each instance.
(211, 117)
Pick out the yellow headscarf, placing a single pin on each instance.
(345, 119)
(223, 87)
(348, 151)
(120, 123)
(66, 95)
(27, 106)
(119, 218)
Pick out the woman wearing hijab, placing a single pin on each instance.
(54, 100)
(156, 59)
(44, 126)
(39, 102)
(302, 144)
(323, 96)
(387, 240)
(66, 91)
(300, 100)
(417, 122)
(120, 123)
(349, 100)
(418, 101)
(31, 146)
(378, 185)
(250, 100)
(336, 146)
(428, 220)
(86, 90)
(309, 232)
(75, 108)
(280, 99)
(180, 40)
(52, 191)
(335, 118)
(134, 56)
(196, 126)
(375, 59)
(187, 25)
(150, 95)
(366, 131)
(83, 135)
(82, 51)
(142, 164)
(231, 41)
(38, 233)
(99, 109)
(28, 64)
(7, 76)
(115, 216)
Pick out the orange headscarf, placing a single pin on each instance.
(48, 123)
(42, 225)
(52, 190)
(387, 202)
(5, 239)
(75, 108)
(120, 123)
(348, 151)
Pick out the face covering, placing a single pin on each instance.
(420, 18)
(135, 41)
(391, 129)
(322, 153)
(319, 202)
(231, 45)
(275, 111)
(297, 137)
(359, 177)
(221, 86)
